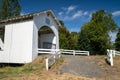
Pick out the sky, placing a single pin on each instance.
(74, 13)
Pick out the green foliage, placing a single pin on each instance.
(117, 41)
(94, 35)
(9, 8)
(83, 41)
(65, 39)
(74, 36)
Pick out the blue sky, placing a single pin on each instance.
(74, 13)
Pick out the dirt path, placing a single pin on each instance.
(83, 65)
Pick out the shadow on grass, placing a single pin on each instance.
(107, 61)
(2, 65)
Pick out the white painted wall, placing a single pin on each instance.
(40, 21)
(35, 43)
(7, 44)
(18, 42)
(21, 39)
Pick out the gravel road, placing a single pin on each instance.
(82, 65)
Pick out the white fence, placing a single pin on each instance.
(116, 53)
(111, 54)
(110, 57)
(56, 53)
(82, 52)
(47, 51)
(74, 52)
(51, 60)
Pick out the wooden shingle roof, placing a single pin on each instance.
(29, 16)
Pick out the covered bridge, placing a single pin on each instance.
(20, 37)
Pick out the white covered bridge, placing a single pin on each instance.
(21, 37)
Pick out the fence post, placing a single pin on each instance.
(74, 52)
(113, 53)
(88, 53)
(47, 65)
(111, 58)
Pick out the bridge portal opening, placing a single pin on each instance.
(46, 38)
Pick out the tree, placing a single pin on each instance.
(83, 41)
(9, 8)
(117, 41)
(65, 38)
(97, 32)
(74, 36)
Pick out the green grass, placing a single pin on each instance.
(8, 71)
(11, 71)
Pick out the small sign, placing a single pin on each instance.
(47, 21)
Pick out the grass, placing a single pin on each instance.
(36, 70)
(37, 67)
(13, 71)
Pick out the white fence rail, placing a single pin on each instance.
(47, 51)
(56, 53)
(74, 52)
(111, 54)
(82, 52)
(51, 60)
(117, 53)
(68, 51)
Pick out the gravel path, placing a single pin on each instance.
(82, 65)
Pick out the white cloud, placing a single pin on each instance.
(66, 18)
(71, 13)
(60, 13)
(90, 15)
(85, 13)
(116, 13)
(77, 14)
(70, 8)
(113, 36)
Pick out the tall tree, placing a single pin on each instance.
(97, 31)
(9, 8)
(74, 36)
(117, 41)
(65, 39)
(83, 41)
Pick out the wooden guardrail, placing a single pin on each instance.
(51, 60)
(56, 53)
(82, 52)
(111, 54)
(47, 51)
(74, 52)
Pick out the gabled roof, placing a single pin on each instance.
(30, 16)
